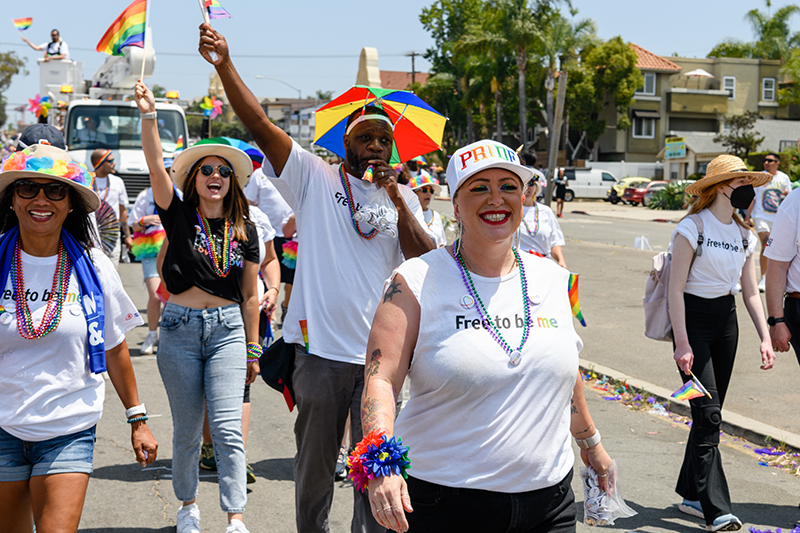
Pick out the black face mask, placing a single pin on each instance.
(742, 196)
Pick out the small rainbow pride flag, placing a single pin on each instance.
(126, 30)
(23, 23)
(215, 10)
(304, 329)
(179, 144)
(690, 390)
(573, 298)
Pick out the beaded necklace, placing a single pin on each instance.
(58, 292)
(515, 356)
(536, 227)
(351, 205)
(220, 264)
(433, 214)
(108, 187)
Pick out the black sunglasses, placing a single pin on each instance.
(771, 161)
(30, 189)
(224, 171)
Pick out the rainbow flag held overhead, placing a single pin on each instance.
(23, 23)
(690, 390)
(126, 30)
(304, 330)
(215, 10)
(573, 298)
(179, 144)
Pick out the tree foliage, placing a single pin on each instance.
(739, 137)
(10, 66)
(773, 36)
(159, 91)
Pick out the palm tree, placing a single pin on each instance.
(774, 39)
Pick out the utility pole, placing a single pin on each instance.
(555, 136)
(413, 56)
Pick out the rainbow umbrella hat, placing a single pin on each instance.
(418, 128)
(255, 154)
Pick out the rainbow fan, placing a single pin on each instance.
(108, 226)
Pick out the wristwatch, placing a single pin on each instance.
(772, 320)
(594, 440)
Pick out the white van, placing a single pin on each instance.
(588, 183)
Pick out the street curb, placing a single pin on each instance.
(732, 423)
(603, 215)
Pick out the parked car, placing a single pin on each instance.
(615, 193)
(634, 194)
(651, 191)
(587, 183)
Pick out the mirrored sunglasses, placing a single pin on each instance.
(426, 190)
(223, 170)
(30, 189)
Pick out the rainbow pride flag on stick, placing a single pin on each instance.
(215, 10)
(573, 298)
(23, 23)
(304, 330)
(126, 30)
(690, 390)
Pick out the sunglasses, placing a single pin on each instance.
(771, 161)
(110, 161)
(426, 190)
(224, 171)
(30, 189)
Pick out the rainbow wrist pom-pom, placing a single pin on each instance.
(254, 351)
(147, 244)
(376, 456)
(289, 254)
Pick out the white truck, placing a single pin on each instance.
(102, 114)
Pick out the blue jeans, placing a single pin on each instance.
(21, 460)
(203, 356)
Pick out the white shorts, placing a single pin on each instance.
(762, 225)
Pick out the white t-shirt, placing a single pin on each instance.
(784, 240)
(338, 282)
(265, 230)
(57, 48)
(717, 271)
(265, 195)
(434, 222)
(46, 387)
(539, 230)
(116, 195)
(770, 196)
(506, 427)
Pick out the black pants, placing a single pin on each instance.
(440, 509)
(791, 312)
(713, 335)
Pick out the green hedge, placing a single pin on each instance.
(671, 198)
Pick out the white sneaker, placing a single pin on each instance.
(189, 519)
(762, 284)
(236, 526)
(149, 343)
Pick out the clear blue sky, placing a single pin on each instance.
(314, 29)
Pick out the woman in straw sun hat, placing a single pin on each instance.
(705, 275)
(63, 319)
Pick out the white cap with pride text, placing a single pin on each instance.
(482, 155)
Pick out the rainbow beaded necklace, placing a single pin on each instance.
(536, 228)
(515, 356)
(351, 205)
(221, 265)
(55, 305)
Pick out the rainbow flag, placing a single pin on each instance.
(304, 329)
(126, 30)
(573, 298)
(690, 390)
(215, 10)
(23, 23)
(179, 144)
(289, 254)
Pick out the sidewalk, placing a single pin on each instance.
(601, 208)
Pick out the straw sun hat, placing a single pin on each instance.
(185, 160)
(725, 167)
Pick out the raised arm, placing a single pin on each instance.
(272, 140)
(151, 145)
(36, 47)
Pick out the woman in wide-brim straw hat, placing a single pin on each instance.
(63, 319)
(705, 275)
(459, 321)
(209, 328)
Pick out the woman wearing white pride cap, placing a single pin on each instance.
(539, 232)
(490, 416)
(63, 319)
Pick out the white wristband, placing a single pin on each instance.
(148, 116)
(585, 444)
(136, 410)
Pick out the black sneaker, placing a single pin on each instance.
(207, 459)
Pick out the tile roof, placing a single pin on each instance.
(649, 61)
(393, 79)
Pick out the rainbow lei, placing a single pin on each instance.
(52, 313)
(351, 205)
(376, 456)
(47, 165)
(221, 265)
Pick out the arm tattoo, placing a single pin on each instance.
(572, 408)
(374, 415)
(587, 430)
(394, 288)
(374, 364)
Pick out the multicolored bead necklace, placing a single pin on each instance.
(536, 228)
(220, 264)
(515, 356)
(351, 205)
(55, 305)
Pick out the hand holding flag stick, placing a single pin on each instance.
(211, 53)
(691, 389)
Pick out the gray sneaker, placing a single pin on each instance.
(149, 343)
(189, 519)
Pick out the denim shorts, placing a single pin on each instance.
(150, 267)
(21, 460)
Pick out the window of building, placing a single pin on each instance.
(729, 84)
(649, 87)
(767, 89)
(644, 128)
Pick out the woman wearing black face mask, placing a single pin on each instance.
(705, 276)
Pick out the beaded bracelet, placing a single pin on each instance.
(137, 419)
(254, 351)
(376, 456)
(141, 222)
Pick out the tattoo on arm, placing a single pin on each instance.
(590, 430)
(573, 410)
(374, 364)
(394, 288)
(374, 415)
